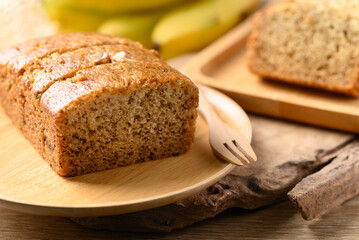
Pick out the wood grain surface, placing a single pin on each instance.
(334, 184)
(223, 66)
(277, 222)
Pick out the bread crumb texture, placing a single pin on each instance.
(90, 102)
(313, 43)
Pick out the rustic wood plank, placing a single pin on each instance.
(334, 184)
(281, 221)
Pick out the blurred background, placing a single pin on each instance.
(173, 27)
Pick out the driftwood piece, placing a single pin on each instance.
(328, 188)
(287, 152)
(235, 190)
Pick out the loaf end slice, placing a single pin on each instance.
(111, 129)
(311, 43)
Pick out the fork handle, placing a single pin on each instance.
(205, 108)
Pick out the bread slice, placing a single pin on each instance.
(90, 102)
(308, 42)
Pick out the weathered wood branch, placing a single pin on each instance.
(241, 188)
(287, 153)
(328, 188)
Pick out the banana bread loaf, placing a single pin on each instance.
(90, 102)
(308, 42)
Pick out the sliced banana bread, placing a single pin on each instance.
(90, 102)
(308, 42)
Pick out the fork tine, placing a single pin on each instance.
(235, 151)
(239, 144)
(226, 155)
(220, 133)
(248, 157)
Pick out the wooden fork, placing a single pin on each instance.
(226, 142)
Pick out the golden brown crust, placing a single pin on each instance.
(44, 79)
(67, 64)
(111, 77)
(18, 57)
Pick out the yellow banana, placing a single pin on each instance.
(137, 27)
(192, 27)
(117, 6)
(72, 19)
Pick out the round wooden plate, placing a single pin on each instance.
(28, 184)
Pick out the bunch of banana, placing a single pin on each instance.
(89, 15)
(173, 27)
(190, 28)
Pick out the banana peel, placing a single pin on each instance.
(190, 28)
(72, 19)
(115, 6)
(137, 27)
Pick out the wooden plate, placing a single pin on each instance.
(29, 185)
(222, 66)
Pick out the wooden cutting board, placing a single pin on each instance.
(223, 66)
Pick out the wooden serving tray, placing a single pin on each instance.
(223, 66)
(28, 184)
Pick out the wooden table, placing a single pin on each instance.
(281, 221)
